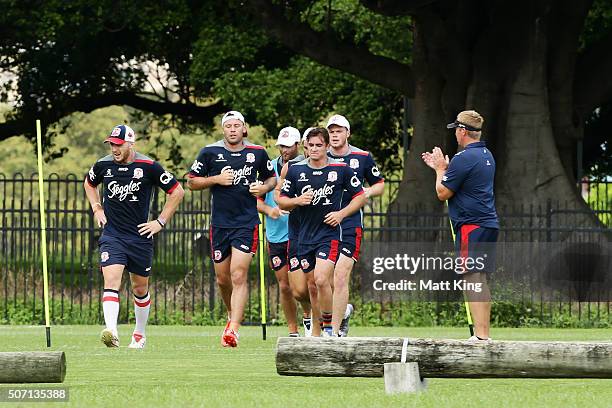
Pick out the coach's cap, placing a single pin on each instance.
(288, 136)
(121, 134)
(232, 115)
(470, 120)
(338, 120)
(306, 132)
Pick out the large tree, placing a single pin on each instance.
(535, 69)
(528, 66)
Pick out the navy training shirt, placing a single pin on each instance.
(127, 192)
(233, 206)
(362, 163)
(470, 175)
(329, 184)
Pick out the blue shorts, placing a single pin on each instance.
(476, 247)
(350, 244)
(308, 253)
(277, 253)
(222, 240)
(134, 254)
(292, 255)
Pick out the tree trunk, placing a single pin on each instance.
(506, 78)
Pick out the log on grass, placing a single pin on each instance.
(32, 367)
(365, 357)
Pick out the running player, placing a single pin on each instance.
(304, 289)
(237, 172)
(127, 238)
(317, 185)
(362, 163)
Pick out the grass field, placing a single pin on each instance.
(186, 367)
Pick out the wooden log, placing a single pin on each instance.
(32, 367)
(365, 357)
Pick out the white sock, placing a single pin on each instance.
(142, 305)
(110, 305)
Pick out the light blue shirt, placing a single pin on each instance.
(277, 230)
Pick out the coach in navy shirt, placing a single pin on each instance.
(467, 183)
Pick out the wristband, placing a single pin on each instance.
(160, 223)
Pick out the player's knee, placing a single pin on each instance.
(239, 278)
(340, 281)
(321, 281)
(140, 290)
(224, 281)
(283, 285)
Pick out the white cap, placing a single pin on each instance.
(306, 132)
(288, 136)
(232, 115)
(338, 120)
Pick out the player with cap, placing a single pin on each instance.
(127, 237)
(237, 172)
(467, 183)
(316, 185)
(277, 234)
(363, 165)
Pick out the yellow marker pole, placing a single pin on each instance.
(465, 301)
(43, 231)
(262, 278)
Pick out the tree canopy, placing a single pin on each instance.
(535, 69)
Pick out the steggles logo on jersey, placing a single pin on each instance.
(319, 193)
(332, 176)
(121, 192)
(166, 177)
(375, 171)
(250, 158)
(354, 164)
(241, 174)
(138, 173)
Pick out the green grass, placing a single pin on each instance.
(185, 366)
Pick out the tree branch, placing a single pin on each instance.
(328, 50)
(592, 81)
(393, 8)
(187, 111)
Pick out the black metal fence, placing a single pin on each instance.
(183, 284)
